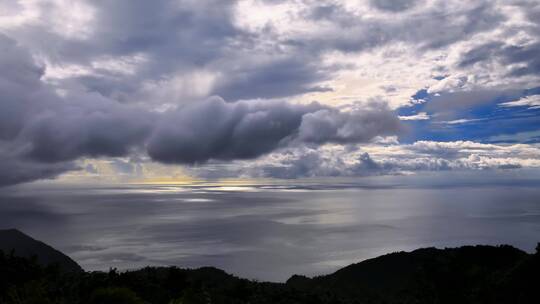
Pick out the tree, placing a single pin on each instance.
(114, 295)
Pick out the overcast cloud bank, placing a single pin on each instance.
(268, 88)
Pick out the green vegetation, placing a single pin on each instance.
(470, 274)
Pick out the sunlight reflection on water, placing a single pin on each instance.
(266, 232)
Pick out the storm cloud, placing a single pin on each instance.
(214, 129)
(43, 131)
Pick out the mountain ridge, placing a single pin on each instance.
(20, 244)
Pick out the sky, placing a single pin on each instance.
(176, 91)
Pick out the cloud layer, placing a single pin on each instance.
(268, 83)
(387, 159)
(43, 131)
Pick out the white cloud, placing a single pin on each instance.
(532, 102)
(69, 19)
(461, 121)
(419, 116)
(380, 159)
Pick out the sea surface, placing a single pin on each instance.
(266, 231)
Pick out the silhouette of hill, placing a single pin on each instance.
(469, 274)
(452, 275)
(25, 246)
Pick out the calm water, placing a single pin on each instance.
(266, 232)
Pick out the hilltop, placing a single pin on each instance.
(24, 246)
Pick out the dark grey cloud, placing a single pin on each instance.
(275, 79)
(532, 12)
(42, 131)
(520, 55)
(92, 128)
(21, 95)
(19, 84)
(16, 170)
(331, 125)
(525, 56)
(184, 32)
(394, 5)
(477, 18)
(433, 28)
(323, 12)
(39, 125)
(214, 129)
(480, 53)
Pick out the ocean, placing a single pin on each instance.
(266, 231)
